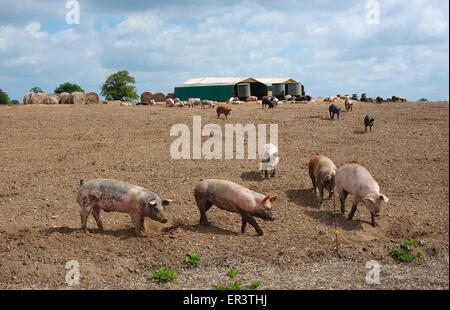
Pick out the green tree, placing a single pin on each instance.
(119, 86)
(36, 90)
(14, 101)
(423, 100)
(4, 98)
(68, 88)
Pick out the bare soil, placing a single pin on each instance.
(46, 150)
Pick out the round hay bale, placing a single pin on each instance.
(51, 99)
(37, 98)
(92, 98)
(78, 98)
(65, 98)
(26, 98)
(160, 97)
(147, 96)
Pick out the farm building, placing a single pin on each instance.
(220, 89)
(282, 86)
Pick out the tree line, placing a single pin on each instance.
(118, 86)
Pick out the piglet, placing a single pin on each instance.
(368, 122)
(269, 159)
(348, 104)
(356, 180)
(322, 172)
(116, 196)
(235, 198)
(334, 109)
(223, 110)
(170, 103)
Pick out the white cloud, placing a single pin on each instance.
(328, 46)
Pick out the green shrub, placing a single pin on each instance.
(192, 259)
(232, 273)
(403, 253)
(164, 275)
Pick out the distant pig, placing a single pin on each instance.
(235, 198)
(334, 109)
(117, 196)
(356, 180)
(368, 122)
(269, 159)
(322, 172)
(223, 110)
(348, 104)
(267, 100)
(170, 103)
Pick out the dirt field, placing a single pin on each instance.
(46, 150)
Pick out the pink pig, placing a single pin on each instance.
(235, 198)
(116, 196)
(356, 180)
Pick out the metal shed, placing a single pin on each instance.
(270, 81)
(219, 89)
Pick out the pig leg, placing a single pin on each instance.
(84, 213)
(246, 217)
(266, 174)
(273, 173)
(330, 196)
(244, 223)
(313, 180)
(374, 224)
(203, 207)
(138, 222)
(96, 214)
(321, 194)
(342, 197)
(352, 212)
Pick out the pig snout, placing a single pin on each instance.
(157, 213)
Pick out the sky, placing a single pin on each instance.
(332, 47)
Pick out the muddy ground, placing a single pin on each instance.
(46, 150)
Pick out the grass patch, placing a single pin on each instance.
(164, 275)
(405, 253)
(232, 273)
(192, 260)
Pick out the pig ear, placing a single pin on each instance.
(383, 197)
(370, 198)
(272, 199)
(265, 198)
(166, 202)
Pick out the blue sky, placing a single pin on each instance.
(327, 45)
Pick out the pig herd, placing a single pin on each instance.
(116, 196)
(335, 110)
